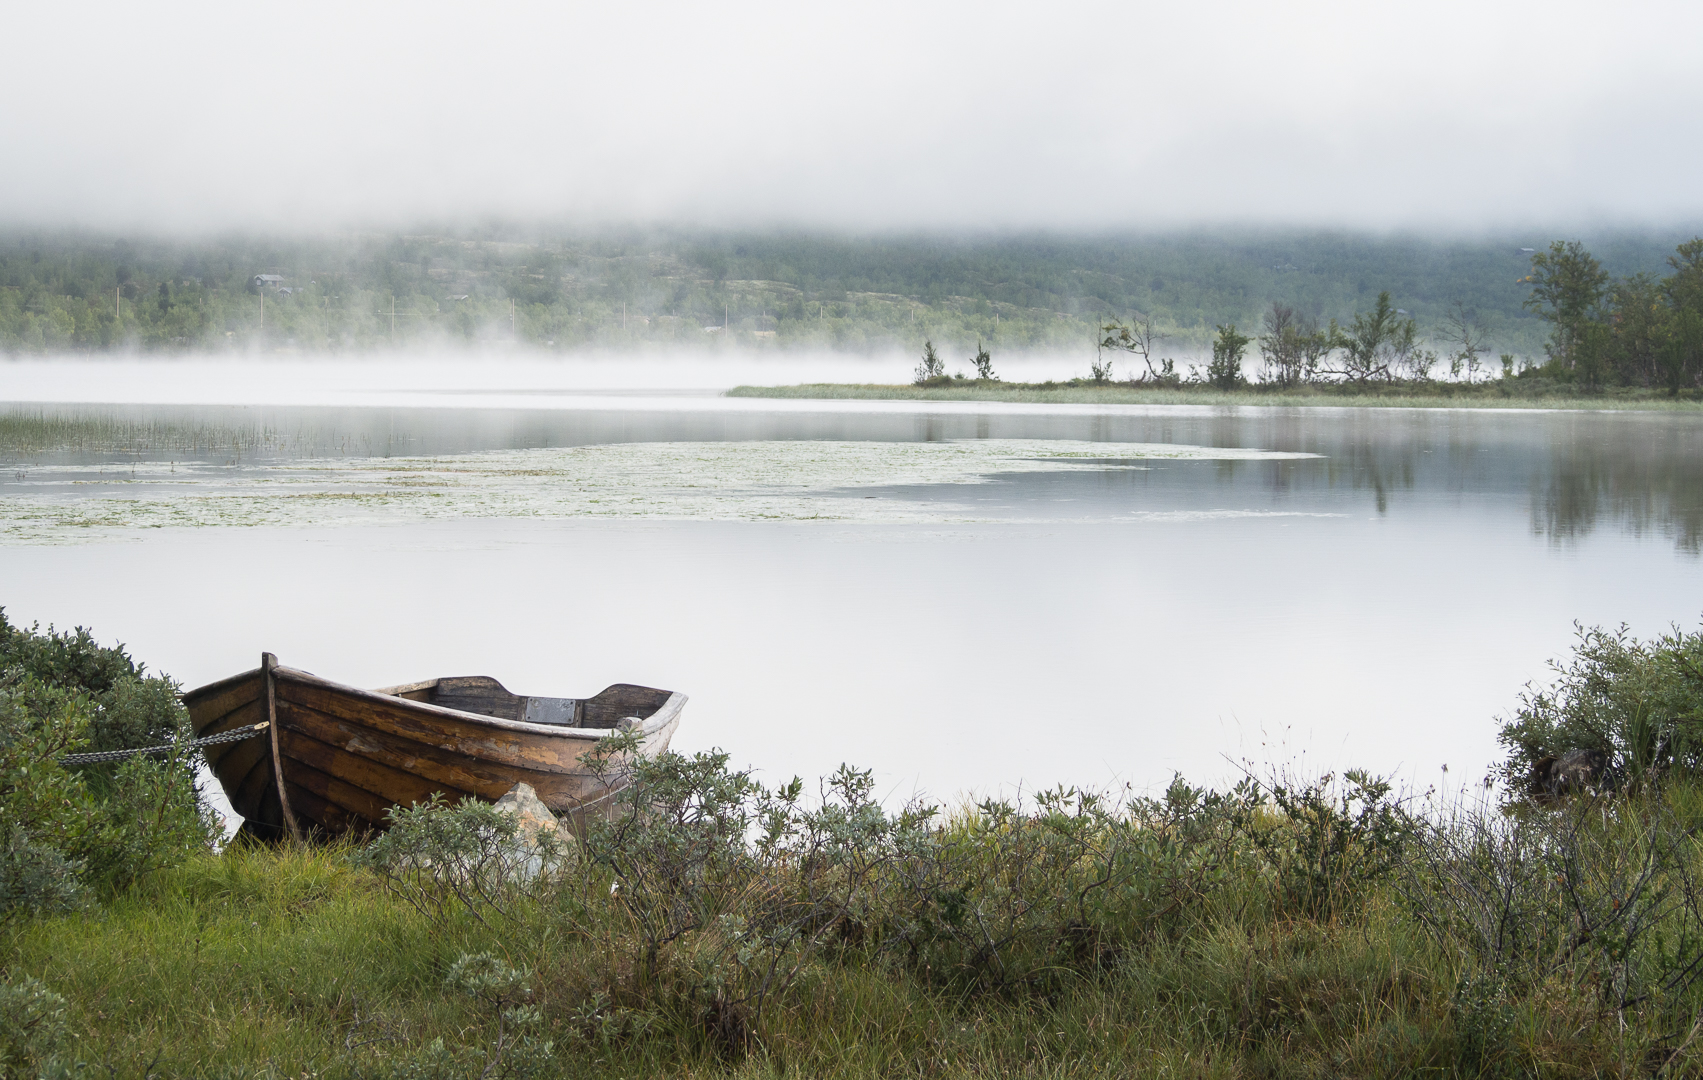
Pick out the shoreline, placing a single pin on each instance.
(1124, 394)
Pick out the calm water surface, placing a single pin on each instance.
(1378, 604)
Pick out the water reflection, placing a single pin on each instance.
(1575, 473)
(1381, 604)
(1638, 483)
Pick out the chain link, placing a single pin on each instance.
(235, 735)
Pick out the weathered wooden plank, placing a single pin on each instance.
(249, 712)
(414, 691)
(374, 787)
(557, 750)
(435, 714)
(344, 796)
(268, 664)
(248, 791)
(204, 723)
(465, 773)
(234, 755)
(324, 818)
(207, 703)
(267, 810)
(610, 705)
(478, 694)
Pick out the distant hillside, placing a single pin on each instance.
(80, 292)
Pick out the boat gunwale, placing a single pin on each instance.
(216, 687)
(671, 706)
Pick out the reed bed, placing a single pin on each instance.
(40, 431)
(32, 432)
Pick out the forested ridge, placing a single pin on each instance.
(79, 292)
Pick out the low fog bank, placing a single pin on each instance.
(641, 289)
(515, 378)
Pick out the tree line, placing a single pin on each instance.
(561, 290)
(1640, 331)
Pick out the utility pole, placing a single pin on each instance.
(393, 320)
(263, 311)
(115, 301)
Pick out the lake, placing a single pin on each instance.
(965, 598)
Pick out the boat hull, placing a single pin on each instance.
(347, 756)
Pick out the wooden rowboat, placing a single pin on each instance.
(335, 759)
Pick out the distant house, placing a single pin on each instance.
(268, 281)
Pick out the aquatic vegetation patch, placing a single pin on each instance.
(709, 481)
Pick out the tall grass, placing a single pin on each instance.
(297, 961)
(27, 432)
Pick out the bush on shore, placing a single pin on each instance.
(1637, 704)
(71, 832)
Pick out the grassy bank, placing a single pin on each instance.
(294, 962)
(1492, 395)
(288, 963)
(1283, 927)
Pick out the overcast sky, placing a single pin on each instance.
(307, 115)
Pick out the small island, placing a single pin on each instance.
(1632, 343)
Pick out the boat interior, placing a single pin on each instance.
(485, 696)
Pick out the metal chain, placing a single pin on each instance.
(234, 735)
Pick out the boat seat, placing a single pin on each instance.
(478, 694)
(613, 704)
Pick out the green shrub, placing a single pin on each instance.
(1640, 704)
(1605, 894)
(97, 826)
(1007, 901)
(1483, 1025)
(1325, 842)
(1225, 369)
(32, 1027)
(35, 878)
(130, 708)
(441, 857)
(516, 1051)
(731, 889)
